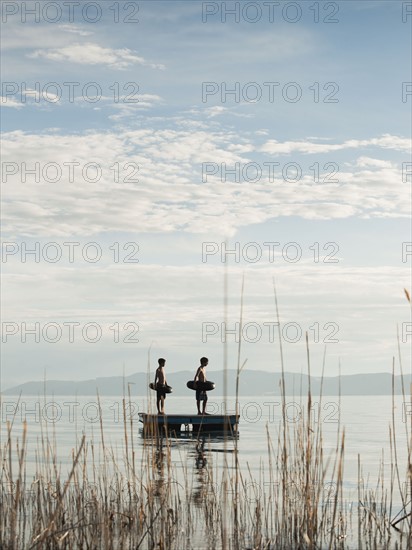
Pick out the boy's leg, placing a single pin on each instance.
(204, 402)
(162, 401)
(159, 402)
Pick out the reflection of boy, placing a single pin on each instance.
(160, 378)
(201, 377)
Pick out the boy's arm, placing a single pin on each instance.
(196, 375)
(164, 378)
(156, 375)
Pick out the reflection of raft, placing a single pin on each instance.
(201, 386)
(184, 422)
(161, 387)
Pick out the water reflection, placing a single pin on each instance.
(199, 451)
(159, 459)
(173, 439)
(200, 454)
(202, 473)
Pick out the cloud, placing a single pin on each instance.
(18, 36)
(215, 111)
(35, 96)
(30, 98)
(127, 109)
(386, 141)
(11, 102)
(75, 30)
(93, 54)
(193, 291)
(151, 181)
(170, 303)
(377, 163)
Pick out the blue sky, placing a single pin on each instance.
(168, 208)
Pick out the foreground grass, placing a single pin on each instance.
(107, 501)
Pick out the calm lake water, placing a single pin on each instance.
(366, 421)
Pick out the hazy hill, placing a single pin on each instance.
(251, 383)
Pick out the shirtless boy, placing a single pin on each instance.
(160, 378)
(201, 377)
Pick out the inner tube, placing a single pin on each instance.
(201, 386)
(161, 387)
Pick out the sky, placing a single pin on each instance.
(159, 155)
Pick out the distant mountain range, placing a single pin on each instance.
(251, 383)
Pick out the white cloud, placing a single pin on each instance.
(187, 296)
(37, 96)
(386, 141)
(127, 109)
(89, 53)
(151, 180)
(29, 97)
(377, 163)
(215, 111)
(75, 30)
(18, 36)
(11, 102)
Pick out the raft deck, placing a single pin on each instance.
(196, 422)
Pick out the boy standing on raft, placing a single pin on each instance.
(160, 378)
(201, 377)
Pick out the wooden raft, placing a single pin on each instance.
(185, 422)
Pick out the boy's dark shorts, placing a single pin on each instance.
(201, 395)
(161, 393)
